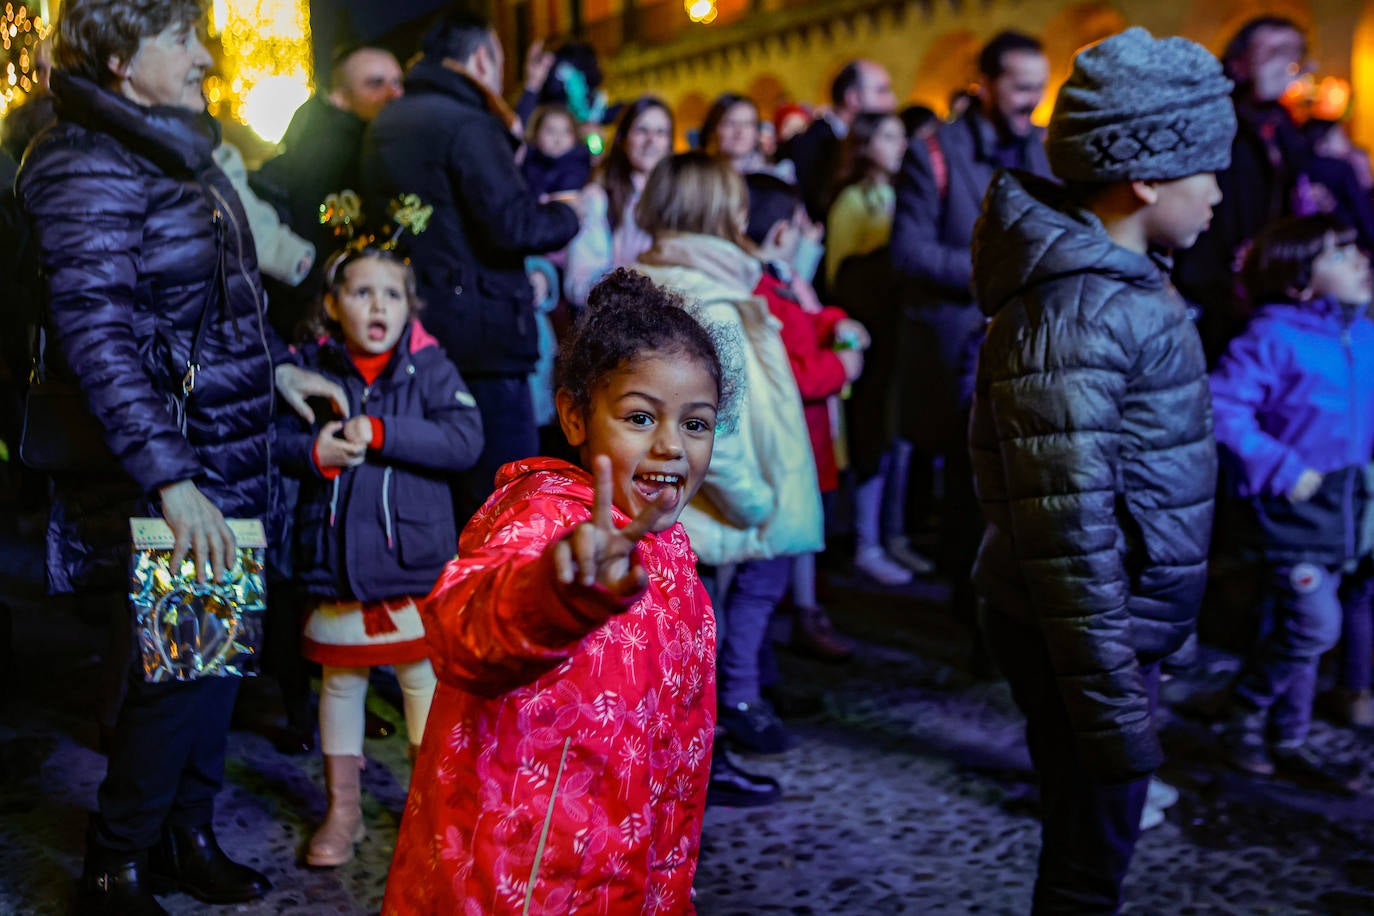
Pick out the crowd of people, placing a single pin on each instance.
(558, 437)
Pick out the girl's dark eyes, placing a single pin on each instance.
(698, 426)
(639, 419)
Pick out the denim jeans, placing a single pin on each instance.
(1088, 829)
(1281, 674)
(754, 593)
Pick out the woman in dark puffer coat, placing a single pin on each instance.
(138, 233)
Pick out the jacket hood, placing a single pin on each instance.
(413, 340)
(1030, 234)
(178, 141)
(721, 260)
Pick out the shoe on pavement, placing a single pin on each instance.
(731, 787)
(899, 548)
(1160, 795)
(1307, 766)
(1243, 744)
(115, 883)
(755, 727)
(1351, 708)
(190, 859)
(814, 635)
(874, 562)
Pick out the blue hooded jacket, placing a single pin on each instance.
(1295, 391)
(386, 528)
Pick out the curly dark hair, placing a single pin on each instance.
(628, 316)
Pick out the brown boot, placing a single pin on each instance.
(333, 843)
(815, 635)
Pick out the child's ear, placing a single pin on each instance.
(331, 307)
(571, 418)
(1147, 192)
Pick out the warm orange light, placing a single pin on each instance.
(1332, 99)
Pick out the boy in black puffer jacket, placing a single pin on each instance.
(1092, 440)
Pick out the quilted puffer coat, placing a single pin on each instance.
(567, 750)
(1093, 459)
(132, 219)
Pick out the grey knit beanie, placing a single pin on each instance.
(1139, 108)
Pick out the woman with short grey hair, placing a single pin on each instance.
(148, 262)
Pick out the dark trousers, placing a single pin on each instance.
(1088, 829)
(166, 761)
(508, 433)
(1357, 630)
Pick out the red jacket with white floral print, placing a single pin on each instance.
(566, 754)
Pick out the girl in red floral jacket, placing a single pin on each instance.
(565, 763)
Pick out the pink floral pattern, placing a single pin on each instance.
(558, 707)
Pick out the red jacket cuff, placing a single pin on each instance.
(327, 473)
(378, 434)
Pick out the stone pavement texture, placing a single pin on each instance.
(911, 793)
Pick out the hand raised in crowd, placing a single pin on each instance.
(1309, 482)
(199, 529)
(853, 361)
(358, 429)
(599, 553)
(849, 329)
(333, 451)
(538, 63)
(295, 384)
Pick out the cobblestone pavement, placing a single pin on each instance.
(910, 794)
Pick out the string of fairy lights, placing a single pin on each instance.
(20, 32)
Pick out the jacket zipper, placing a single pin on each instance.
(386, 506)
(544, 833)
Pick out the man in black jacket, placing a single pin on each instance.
(1268, 157)
(322, 147)
(449, 140)
(939, 196)
(860, 86)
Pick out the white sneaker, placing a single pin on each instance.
(877, 565)
(1160, 795)
(899, 548)
(1151, 817)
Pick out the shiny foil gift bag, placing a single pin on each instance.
(188, 630)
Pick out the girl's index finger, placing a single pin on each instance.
(602, 493)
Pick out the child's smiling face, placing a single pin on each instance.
(371, 305)
(556, 135)
(655, 418)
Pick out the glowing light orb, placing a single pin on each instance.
(269, 105)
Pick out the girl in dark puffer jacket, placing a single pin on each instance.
(375, 521)
(1294, 403)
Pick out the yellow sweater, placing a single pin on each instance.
(859, 221)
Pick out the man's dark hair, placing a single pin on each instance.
(343, 54)
(992, 59)
(1239, 45)
(771, 200)
(848, 78)
(1278, 265)
(457, 35)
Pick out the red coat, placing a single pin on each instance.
(568, 745)
(809, 338)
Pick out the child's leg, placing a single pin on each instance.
(1307, 623)
(804, 580)
(1357, 632)
(868, 507)
(417, 683)
(898, 466)
(757, 588)
(343, 696)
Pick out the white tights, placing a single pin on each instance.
(344, 694)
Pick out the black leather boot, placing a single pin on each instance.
(113, 884)
(732, 787)
(190, 859)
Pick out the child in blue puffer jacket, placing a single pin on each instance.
(1293, 399)
(375, 523)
